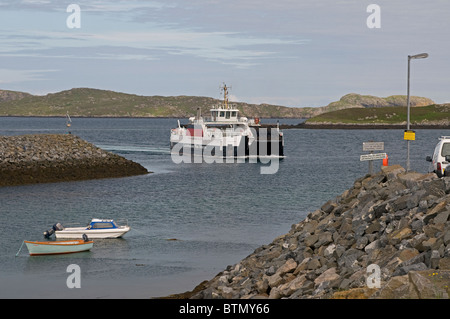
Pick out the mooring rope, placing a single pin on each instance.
(23, 242)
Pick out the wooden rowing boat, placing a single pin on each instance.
(57, 247)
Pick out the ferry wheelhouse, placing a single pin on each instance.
(226, 134)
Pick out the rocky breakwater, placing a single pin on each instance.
(386, 237)
(42, 158)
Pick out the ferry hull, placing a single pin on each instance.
(245, 149)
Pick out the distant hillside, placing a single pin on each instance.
(434, 114)
(354, 100)
(88, 102)
(92, 102)
(6, 95)
(357, 100)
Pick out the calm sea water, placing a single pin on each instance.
(218, 213)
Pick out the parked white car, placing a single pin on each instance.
(441, 157)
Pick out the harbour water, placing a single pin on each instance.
(189, 221)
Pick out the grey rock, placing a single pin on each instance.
(417, 225)
(361, 243)
(441, 217)
(373, 227)
(328, 252)
(434, 259)
(400, 203)
(446, 237)
(372, 246)
(314, 263)
(311, 240)
(406, 269)
(380, 210)
(328, 207)
(435, 187)
(323, 239)
(349, 258)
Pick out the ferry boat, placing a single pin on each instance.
(226, 134)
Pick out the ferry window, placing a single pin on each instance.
(222, 113)
(227, 115)
(233, 114)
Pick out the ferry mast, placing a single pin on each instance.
(224, 88)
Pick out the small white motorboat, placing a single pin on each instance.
(36, 248)
(97, 228)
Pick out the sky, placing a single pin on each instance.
(296, 53)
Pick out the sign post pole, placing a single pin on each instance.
(410, 138)
(372, 146)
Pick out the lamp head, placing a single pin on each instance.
(418, 56)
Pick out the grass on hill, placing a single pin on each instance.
(385, 115)
(93, 102)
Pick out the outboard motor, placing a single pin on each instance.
(50, 232)
(85, 237)
(58, 226)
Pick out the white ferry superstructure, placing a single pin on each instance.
(227, 134)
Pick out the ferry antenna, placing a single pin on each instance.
(225, 89)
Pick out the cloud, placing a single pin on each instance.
(34, 2)
(100, 6)
(8, 76)
(120, 6)
(224, 47)
(168, 26)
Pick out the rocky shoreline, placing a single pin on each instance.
(387, 237)
(45, 158)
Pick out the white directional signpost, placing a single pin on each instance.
(371, 147)
(372, 157)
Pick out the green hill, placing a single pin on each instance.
(95, 103)
(353, 100)
(434, 114)
(6, 95)
(88, 102)
(367, 101)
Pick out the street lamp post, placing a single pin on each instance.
(410, 57)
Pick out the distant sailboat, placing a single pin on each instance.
(68, 121)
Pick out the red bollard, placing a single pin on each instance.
(386, 161)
